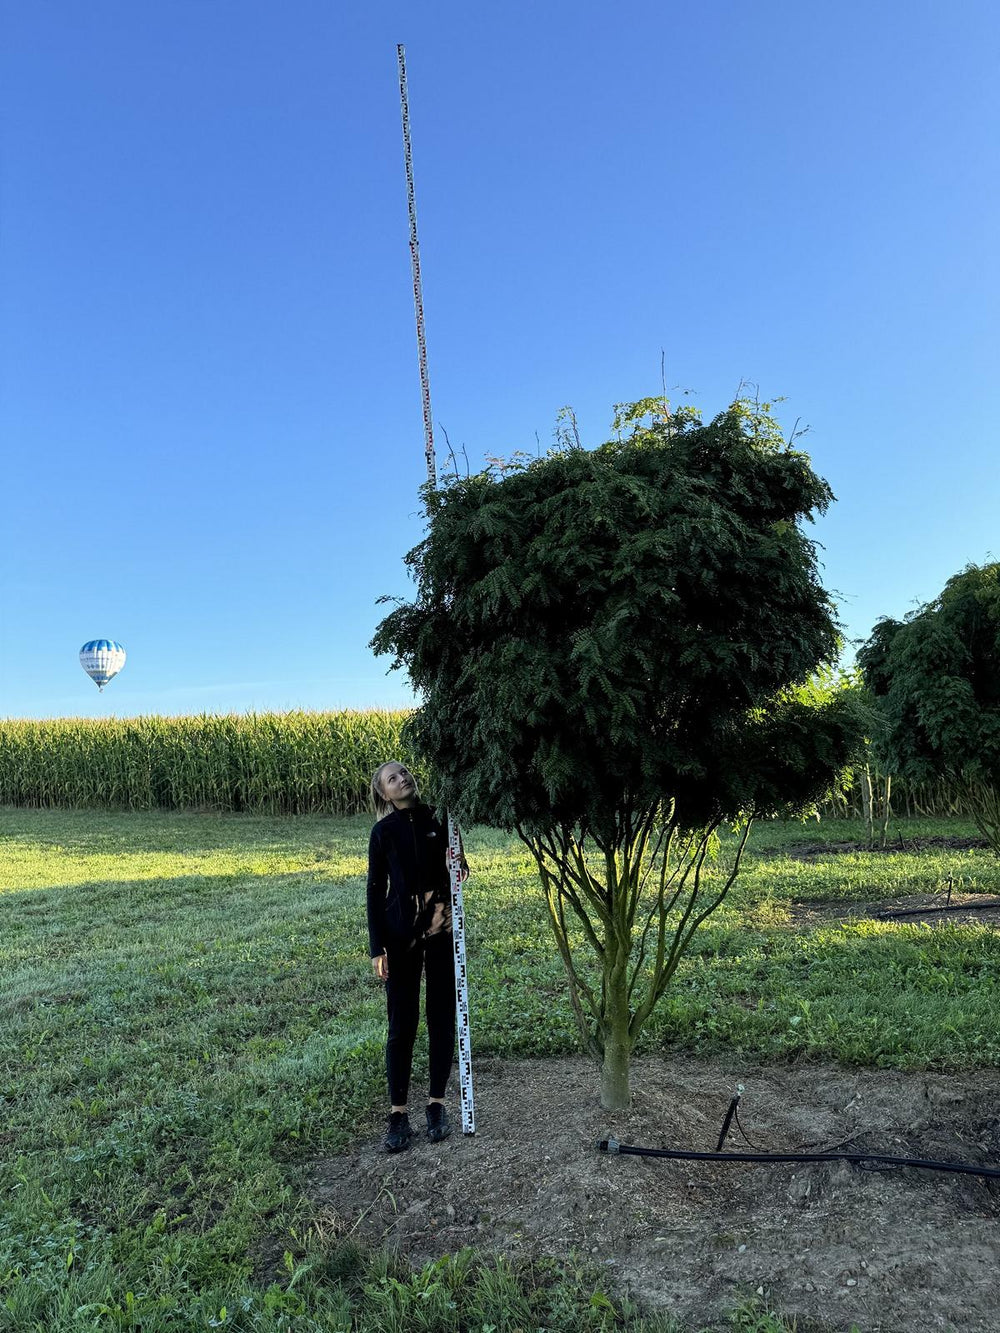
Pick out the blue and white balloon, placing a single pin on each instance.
(102, 659)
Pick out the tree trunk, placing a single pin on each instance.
(867, 804)
(615, 1093)
(886, 809)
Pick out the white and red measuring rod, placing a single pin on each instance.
(454, 837)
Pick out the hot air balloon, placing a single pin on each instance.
(102, 659)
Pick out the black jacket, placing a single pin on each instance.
(407, 859)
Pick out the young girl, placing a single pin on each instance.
(409, 934)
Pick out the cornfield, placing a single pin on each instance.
(266, 763)
(284, 763)
(873, 796)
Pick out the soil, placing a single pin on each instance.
(814, 851)
(933, 909)
(893, 1251)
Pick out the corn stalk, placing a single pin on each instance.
(263, 763)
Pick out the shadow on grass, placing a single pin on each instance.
(93, 831)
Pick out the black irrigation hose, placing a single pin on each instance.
(725, 1124)
(611, 1145)
(926, 911)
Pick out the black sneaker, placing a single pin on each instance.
(399, 1133)
(438, 1127)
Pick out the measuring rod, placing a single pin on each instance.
(454, 837)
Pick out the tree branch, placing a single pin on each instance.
(666, 962)
(557, 920)
(681, 942)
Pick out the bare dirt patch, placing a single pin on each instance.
(835, 1245)
(817, 851)
(933, 909)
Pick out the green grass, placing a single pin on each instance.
(774, 873)
(187, 1016)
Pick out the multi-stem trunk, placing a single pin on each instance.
(615, 1019)
(617, 1054)
(622, 933)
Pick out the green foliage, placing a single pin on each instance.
(608, 627)
(830, 687)
(273, 763)
(936, 678)
(463, 1292)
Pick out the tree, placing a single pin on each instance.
(936, 679)
(606, 643)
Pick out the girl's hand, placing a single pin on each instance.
(380, 966)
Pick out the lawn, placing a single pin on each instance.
(188, 1018)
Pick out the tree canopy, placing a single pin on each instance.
(593, 630)
(936, 679)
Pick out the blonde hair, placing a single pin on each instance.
(382, 805)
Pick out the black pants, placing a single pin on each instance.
(434, 958)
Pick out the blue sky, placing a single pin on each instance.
(209, 404)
